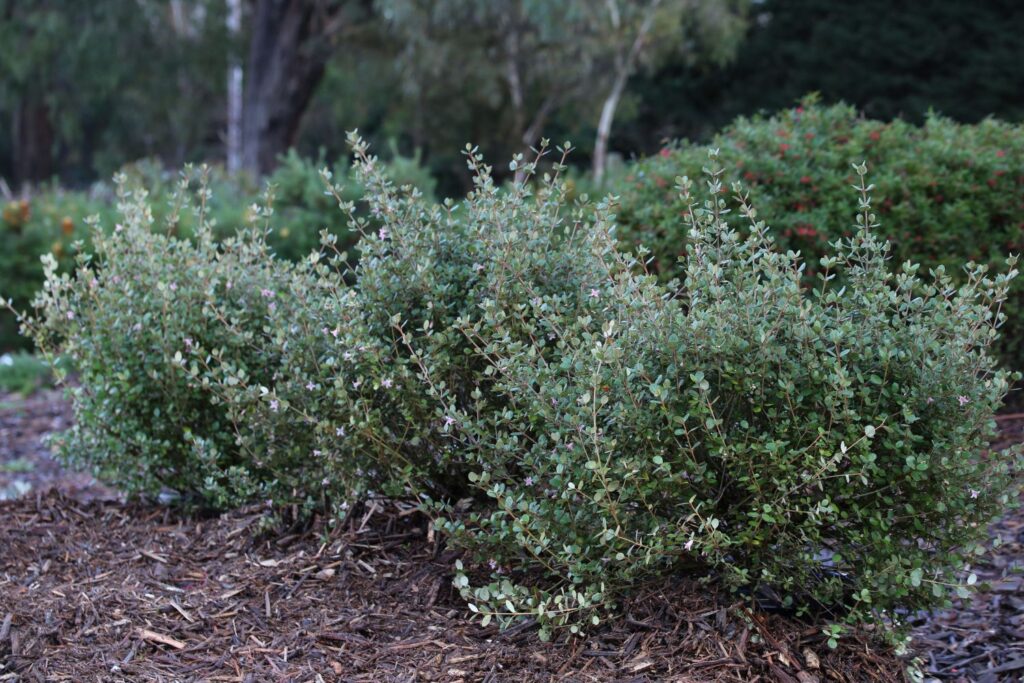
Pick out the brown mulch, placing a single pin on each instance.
(981, 639)
(103, 590)
(95, 589)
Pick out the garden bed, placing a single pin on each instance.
(92, 588)
(113, 591)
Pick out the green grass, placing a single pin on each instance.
(23, 373)
(18, 465)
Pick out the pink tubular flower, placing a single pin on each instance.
(274, 405)
(71, 315)
(383, 233)
(688, 546)
(963, 400)
(340, 431)
(975, 493)
(528, 481)
(386, 383)
(594, 293)
(310, 386)
(266, 294)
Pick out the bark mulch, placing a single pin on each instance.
(103, 590)
(92, 589)
(981, 639)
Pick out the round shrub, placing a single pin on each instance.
(362, 367)
(826, 447)
(945, 192)
(127, 320)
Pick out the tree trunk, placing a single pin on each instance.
(234, 137)
(604, 127)
(624, 66)
(288, 51)
(32, 142)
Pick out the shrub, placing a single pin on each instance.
(823, 446)
(946, 193)
(579, 428)
(54, 219)
(362, 367)
(125, 321)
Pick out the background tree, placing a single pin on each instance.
(289, 45)
(541, 65)
(87, 87)
(76, 96)
(889, 59)
(630, 33)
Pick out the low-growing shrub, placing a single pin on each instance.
(825, 447)
(362, 366)
(53, 219)
(945, 192)
(125, 322)
(575, 426)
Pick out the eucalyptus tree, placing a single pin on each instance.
(532, 61)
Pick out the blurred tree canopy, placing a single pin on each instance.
(87, 86)
(891, 59)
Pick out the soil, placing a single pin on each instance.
(93, 588)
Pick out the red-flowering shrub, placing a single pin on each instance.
(945, 193)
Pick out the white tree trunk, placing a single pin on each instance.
(624, 66)
(234, 137)
(604, 127)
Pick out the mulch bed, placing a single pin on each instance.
(92, 588)
(981, 639)
(109, 591)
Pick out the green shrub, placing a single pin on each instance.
(946, 193)
(823, 446)
(125, 322)
(578, 428)
(53, 219)
(354, 360)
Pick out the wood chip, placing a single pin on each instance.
(155, 637)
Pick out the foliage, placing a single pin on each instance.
(510, 71)
(72, 87)
(124, 321)
(947, 193)
(362, 366)
(890, 60)
(578, 428)
(825, 447)
(54, 220)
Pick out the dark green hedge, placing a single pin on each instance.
(945, 193)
